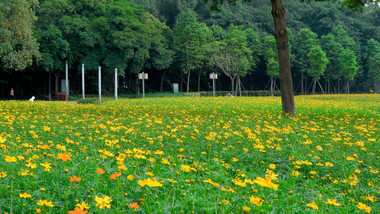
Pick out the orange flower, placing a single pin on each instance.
(78, 210)
(64, 156)
(134, 205)
(73, 179)
(100, 171)
(141, 199)
(115, 175)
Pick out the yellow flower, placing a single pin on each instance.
(149, 174)
(25, 195)
(131, 177)
(295, 173)
(312, 205)
(185, 168)
(165, 161)
(46, 129)
(333, 202)
(10, 159)
(312, 172)
(272, 166)
(364, 207)
(374, 171)
(3, 174)
(246, 209)
(266, 182)
(31, 165)
(2, 139)
(357, 171)
(235, 159)
(45, 203)
(83, 206)
(149, 182)
(103, 202)
(371, 198)
(256, 200)
(329, 164)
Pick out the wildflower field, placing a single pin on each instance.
(184, 155)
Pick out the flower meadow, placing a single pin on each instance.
(191, 155)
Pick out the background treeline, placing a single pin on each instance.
(333, 50)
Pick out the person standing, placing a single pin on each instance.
(12, 94)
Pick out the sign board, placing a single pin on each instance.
(175, 87)
(63, 85)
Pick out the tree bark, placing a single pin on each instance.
(281, 35)
(188, 81)
(377, 87)
(271, 86)
(302, 86)
(348, 87)
(314, 85)
(56, 81)
(232, 84)
(162, 80)
(199, 80)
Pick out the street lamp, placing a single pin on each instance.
(214, 77)
(143, 76)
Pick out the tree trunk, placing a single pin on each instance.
(232, 84)
(271, 86)
(181, 85)
(338, 90)
(56, 82)
(188, 81)
(199, 79)
(110, 81)
(137, 85)
(377, 87)
(314, 85)
(348, 87)
(281, 34)
(302, 86)
(162, 80)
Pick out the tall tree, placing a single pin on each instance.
(303, 41)
(271, 61)
(278, 13)
(333, 50)
(373, 55)
(348, 66)
(231, 55)
(187, 43)
(18, 46)
(318, 61)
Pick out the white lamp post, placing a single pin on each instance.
(100, 84)
(143, 76)
(213, 76)
(115, 83)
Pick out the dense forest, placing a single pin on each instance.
(333, 49)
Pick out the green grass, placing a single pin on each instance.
(223, 139)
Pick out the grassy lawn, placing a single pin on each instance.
(183, 155)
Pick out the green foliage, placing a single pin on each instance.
(304, 40)
(18, 46)
(348, 64)
(333, 50)
(373, 55)
(318, 61)
(271, 56)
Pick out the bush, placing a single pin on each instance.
(88, 101)
(243, 93)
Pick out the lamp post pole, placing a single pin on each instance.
(67, 77)
(115, 83)
(83, 96)
(143, 84)
(100, 84)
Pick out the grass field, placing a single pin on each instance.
(183, 155)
